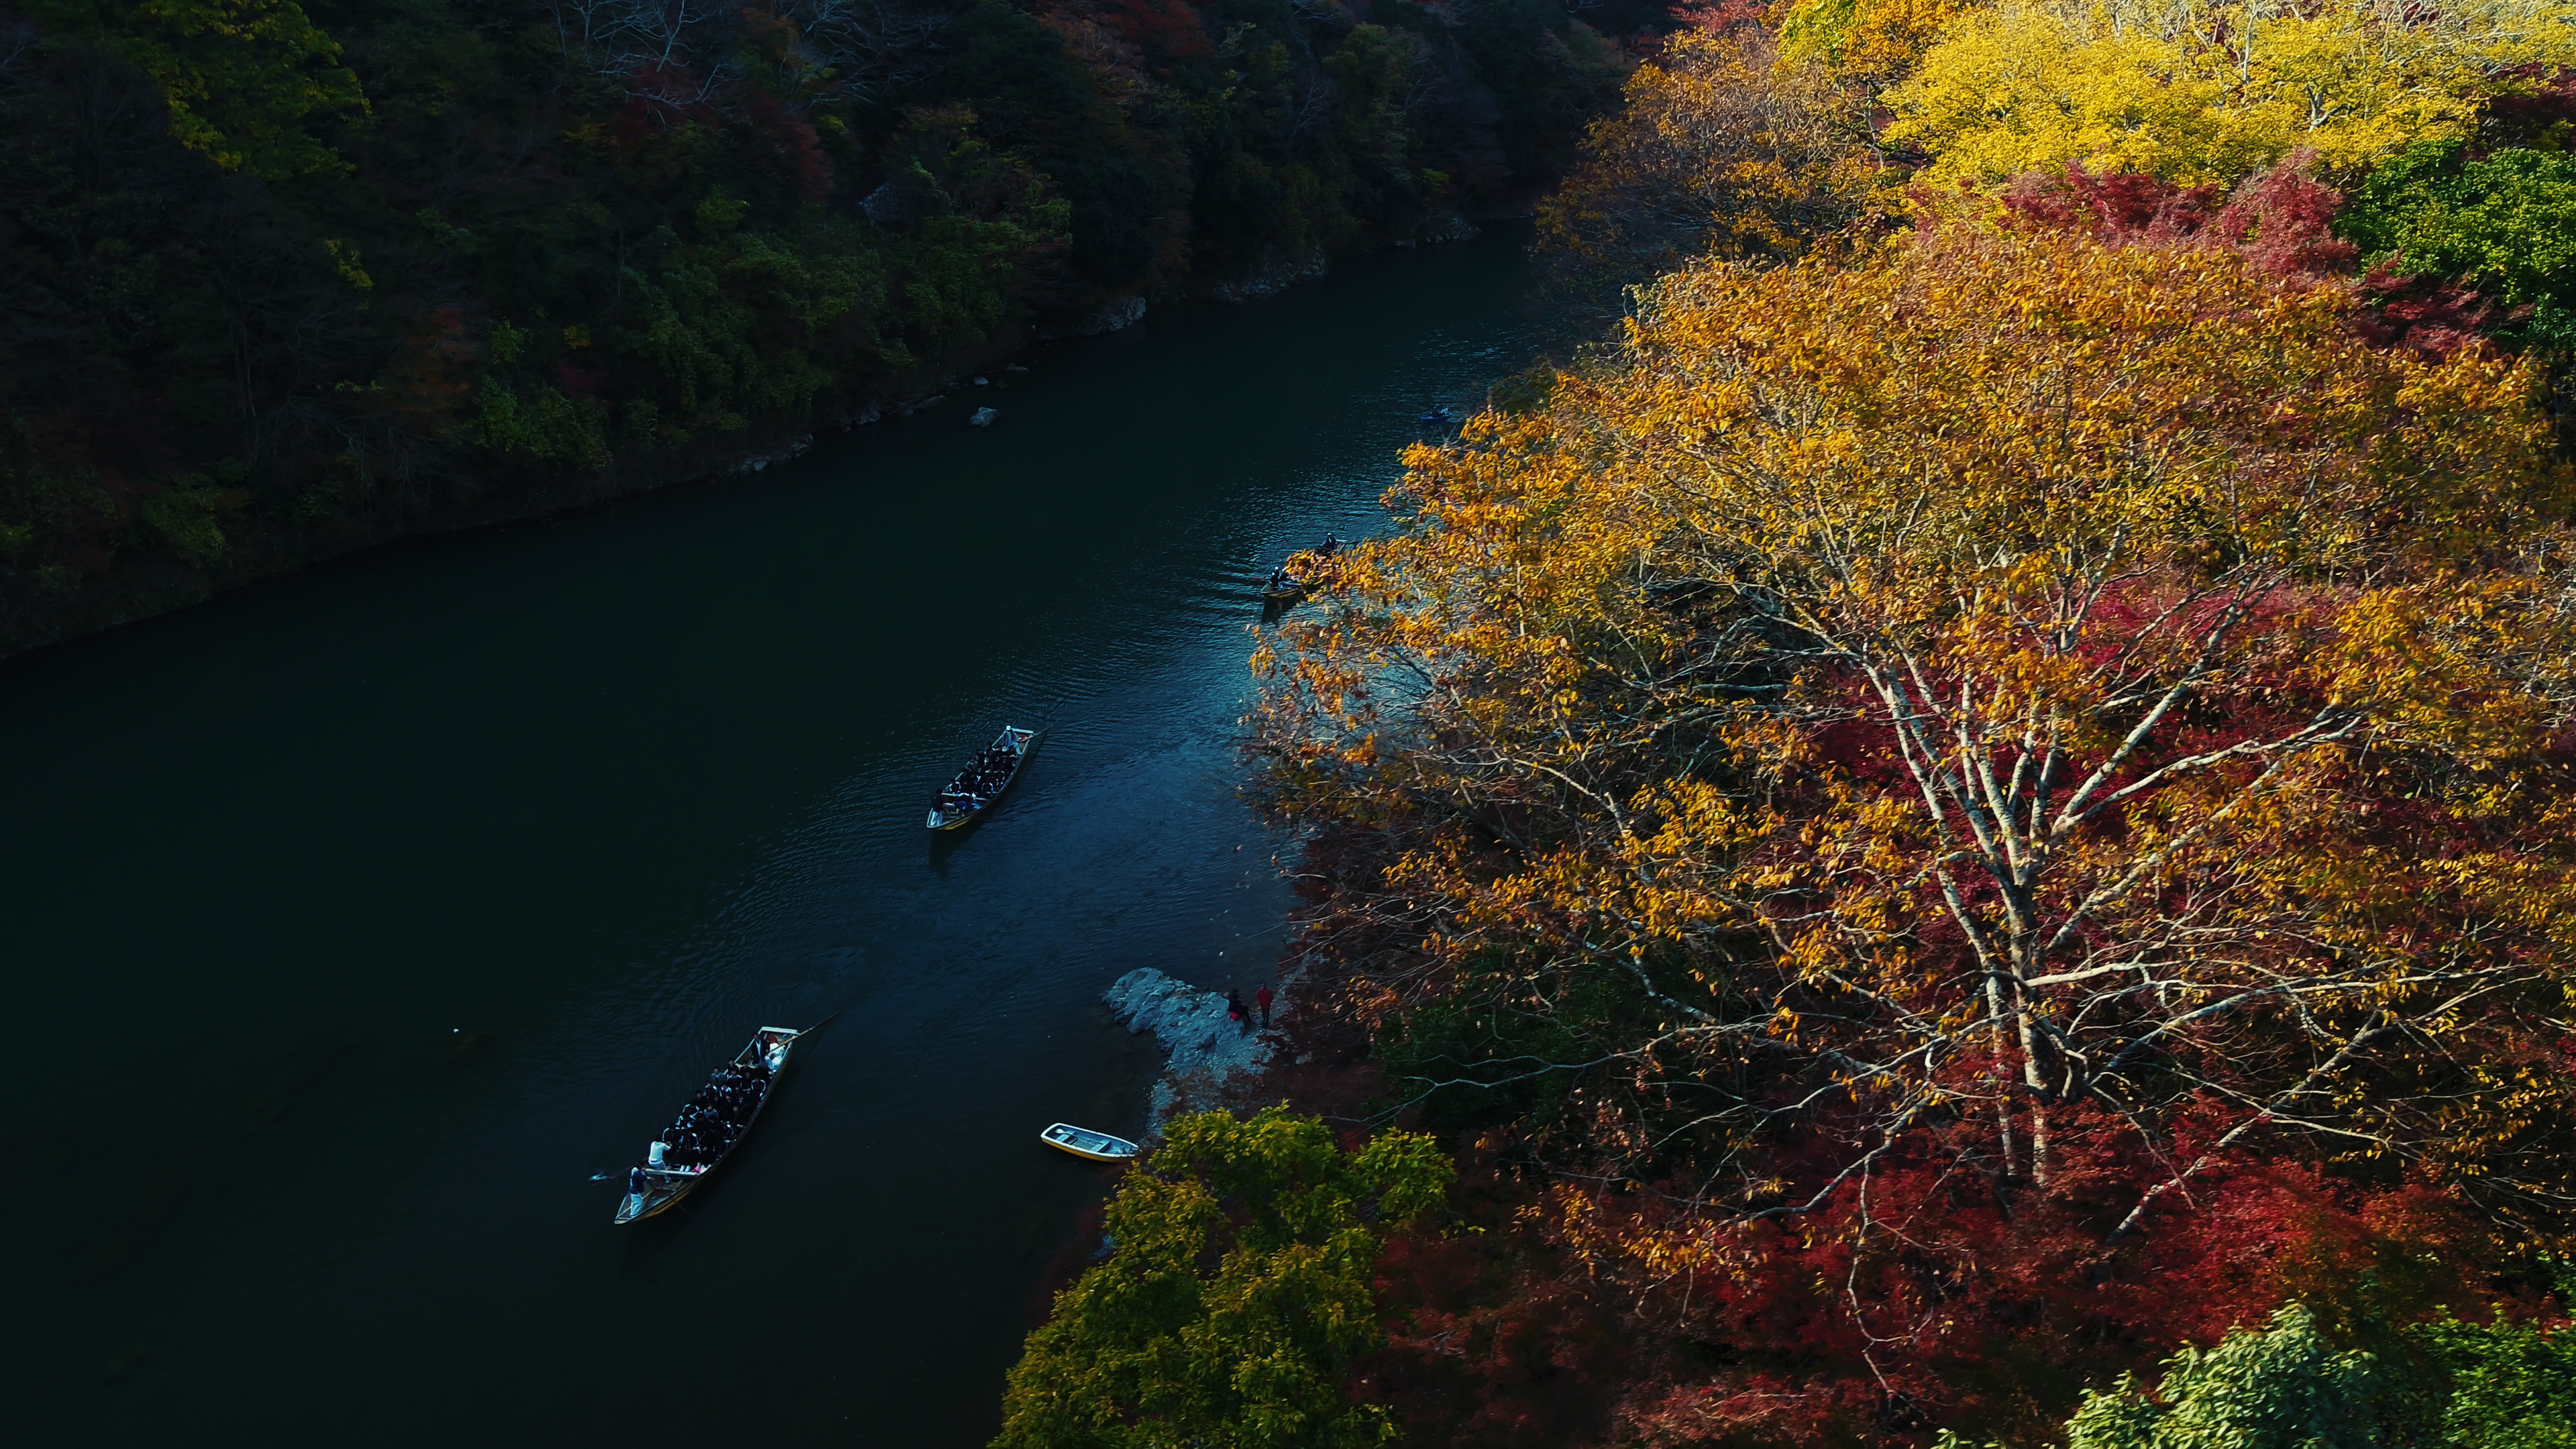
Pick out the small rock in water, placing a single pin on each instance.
(983, 382)
(983, 418)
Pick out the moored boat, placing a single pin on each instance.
(1083, 1142)
(709, 1128)
(982, 782)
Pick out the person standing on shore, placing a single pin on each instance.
(1234, 1011)
(1261, 998)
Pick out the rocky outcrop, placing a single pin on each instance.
(1206, 1051)
(1115, 315)
(1442, 227)
(1275, 275)
(759, 462)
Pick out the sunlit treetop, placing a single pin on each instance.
(2199, 93)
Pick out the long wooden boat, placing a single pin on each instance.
(709, 1128)
(1083, 1142)
(966, 796)
(1293, 590)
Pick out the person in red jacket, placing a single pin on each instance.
(1261, 998)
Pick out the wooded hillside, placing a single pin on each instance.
(280, 279)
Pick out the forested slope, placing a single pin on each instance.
(1965, 832)
(279, 279)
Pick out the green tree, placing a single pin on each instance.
(2502, 1385)
(243, 78)
(2504, 223)
(2513, 1386)
(1236, 1292)
(2281, 1387)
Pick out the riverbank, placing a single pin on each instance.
(468, 273)
(138, 584)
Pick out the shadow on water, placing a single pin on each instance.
(358, 918)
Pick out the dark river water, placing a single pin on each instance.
(353, 921)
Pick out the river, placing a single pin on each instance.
(354, 920)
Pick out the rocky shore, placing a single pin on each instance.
(1206, 1052)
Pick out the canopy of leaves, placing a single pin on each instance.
(1723, 146)
(2504, 223)
(2199, 93)
(246, 81)
(2279, 1387)
(2287, 1385)
(1236, 1293)
(2509, 1383)
(1990, 741)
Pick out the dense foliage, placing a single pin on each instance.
(1235, 1293)
(1950, 769)
(2288, 1385)
(1984, 796)
(284, 277)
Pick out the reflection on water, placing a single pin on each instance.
(357, 921)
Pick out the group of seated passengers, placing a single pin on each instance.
(990, 772)
(714, 1118)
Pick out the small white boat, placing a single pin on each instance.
(1083, 1142)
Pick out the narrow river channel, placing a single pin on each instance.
(352, 922)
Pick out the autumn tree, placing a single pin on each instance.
(1722, 146)
(2196, 93)
(1936, 767)
(1235, 1294)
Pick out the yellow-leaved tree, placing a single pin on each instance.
(2198, 92)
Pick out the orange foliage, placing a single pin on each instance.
(1960, 769)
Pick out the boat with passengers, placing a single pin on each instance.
(709, 1128)
(982, 782)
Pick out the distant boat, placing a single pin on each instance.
(976, 787)
(670, 1172)
(1438, 415)
(1083, 1142)
(1293, 589)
